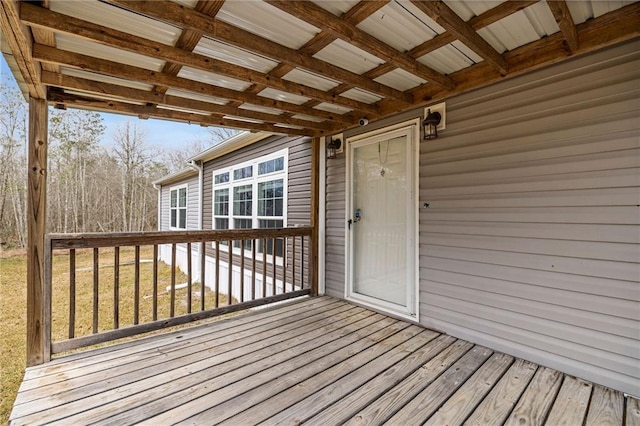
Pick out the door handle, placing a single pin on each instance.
(349, 222)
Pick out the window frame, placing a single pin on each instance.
(178, 208)
(255, 180)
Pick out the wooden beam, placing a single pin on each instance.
(43, 18)
(20, 40)
(154, 97)
(188, 39)
(607, 30)
(168, 114)
(563, 17)
(449, 20)
(176, 14)
(315, 15)
(38, 311)
(128, 72)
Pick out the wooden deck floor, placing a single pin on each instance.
(319, 361)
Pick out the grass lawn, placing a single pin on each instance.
(13, 294)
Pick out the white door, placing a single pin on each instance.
(381, 217)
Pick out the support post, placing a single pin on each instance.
(315, 196)
(38, 309)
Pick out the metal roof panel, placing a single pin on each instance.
(212, 78)
(397, 27)
(336, 109)
(89, 48)
(310, 79)
(73, 72)
(361, 95)
(267, 21)
(451, 58)
(196, 96)
(119, 19)
(234, 55)
(337, 7)
(349, 57)
(279, 95)
(400, 79)
(259, 108)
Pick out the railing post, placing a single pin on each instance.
(315, 197)
(37, 352)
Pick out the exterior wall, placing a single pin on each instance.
(298, 209)
(193, 212)
(531, 242)
(299, 178)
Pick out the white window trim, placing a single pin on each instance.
(254, 181)
(186, 207)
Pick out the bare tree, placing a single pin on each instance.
(13, 115)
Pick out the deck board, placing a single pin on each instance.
(317, 361)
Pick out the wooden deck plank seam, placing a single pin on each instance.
(306, 357)
(193, 350)
(378, 317)
(255, 315)
(119, 353)
(227, 346)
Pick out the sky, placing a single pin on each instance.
(167, 135)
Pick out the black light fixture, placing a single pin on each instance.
(430, 124)
(332, 148)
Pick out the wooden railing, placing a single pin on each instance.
(262, 266)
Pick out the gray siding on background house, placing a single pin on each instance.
(299, 175)
(531, 241)
(193, 203)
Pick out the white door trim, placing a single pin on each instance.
(414, 132)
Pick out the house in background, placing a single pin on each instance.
(251, 180)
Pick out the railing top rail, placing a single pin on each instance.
(116, 239)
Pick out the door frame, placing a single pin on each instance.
(413, 127)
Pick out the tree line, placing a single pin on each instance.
(89, 188)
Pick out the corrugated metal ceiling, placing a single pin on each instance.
(285, 84)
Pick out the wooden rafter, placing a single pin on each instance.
(175, 14)
(314, 14)
(129, 72)
(20, 40)
(355, 15)
(154, 97)
(168, 114)
(42, 18)
(461, 30)
(563, 17)
(189, 39)
(612, 28)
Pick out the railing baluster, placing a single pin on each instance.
(242, 271)
(253, 269)
(217, 273)
(230, 274)
(264, 267)
(155, 282)
(72, 293)
(273, 260)
(293, 266)
(136, 287)
(172, 306)
(277, 243)
(96, 298)
(116, 287)
(189, 277)
(203, 267)
(284, 264)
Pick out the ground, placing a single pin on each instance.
(13, 294)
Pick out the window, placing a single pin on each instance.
(179, 207)
(252, 195)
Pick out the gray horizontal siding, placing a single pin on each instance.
(531, 239)
(531, 243)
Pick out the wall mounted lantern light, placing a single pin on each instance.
(333, 147)
(430, 124)
(435, 118)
